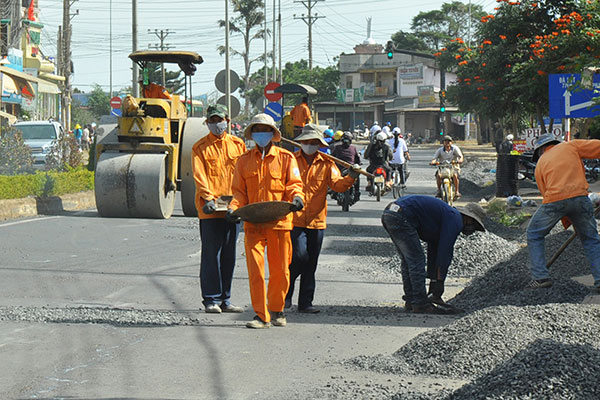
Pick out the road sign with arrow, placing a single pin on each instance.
(569, 100)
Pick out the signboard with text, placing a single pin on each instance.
(569, 100)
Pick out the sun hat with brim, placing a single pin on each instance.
(541, 141)
(474, 211)
(262, 119)
(217, 109)
(310, 132)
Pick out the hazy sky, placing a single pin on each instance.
(194, 27)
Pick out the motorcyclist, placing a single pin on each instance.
(328, 136)
(400, 153)
(387, 129)
(373, 130)
(346, 151)
(379, 153)
(448, 152)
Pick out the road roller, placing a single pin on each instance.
(147, 156)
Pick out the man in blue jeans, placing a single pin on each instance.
(561, 179)
(411, 219)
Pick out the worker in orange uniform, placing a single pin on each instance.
(301, 116)
(155, 91)
(213, 160)
(319, 174)
(267, 173)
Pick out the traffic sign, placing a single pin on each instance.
(116, 112)
(221, 81)
(569, 100)
(275, 110)
(270, 91)
(235, 105)
(115, 102)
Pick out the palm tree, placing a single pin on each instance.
(249, 23)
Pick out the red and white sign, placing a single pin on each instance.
(520, 145)
(270, 91)
(115, 102)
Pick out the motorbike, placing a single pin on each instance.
(592, 170)
(446, 173)
(377, 185)
(347, 198)
(526, 167)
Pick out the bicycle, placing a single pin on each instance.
(398, 184)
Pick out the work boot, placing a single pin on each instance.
(258, 323)
(230, 308)
(278, 318)
(212, 309)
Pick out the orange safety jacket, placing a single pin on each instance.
(300, 114)
(317, 177)
(559, 172)
(155, 91)
(213, 161)
(274, 178)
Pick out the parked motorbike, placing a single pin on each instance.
(592, 170)
(377, 186)
(526, 167)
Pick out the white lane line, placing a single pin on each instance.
(29, 220)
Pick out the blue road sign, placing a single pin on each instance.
(275, 110)
(569, 100)
(116, 112)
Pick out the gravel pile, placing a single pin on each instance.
(474, 255)
(478, 171)
(484, 344)
(88, 315)
(504, 283)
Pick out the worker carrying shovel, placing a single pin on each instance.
(560, 178)
(412, 219)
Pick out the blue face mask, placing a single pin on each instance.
(262, 138)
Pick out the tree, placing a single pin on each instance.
(99, 101)
(247, 23)
(82, 115)
(174, 80)
(409, 41)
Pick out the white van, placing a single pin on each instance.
(39, 136)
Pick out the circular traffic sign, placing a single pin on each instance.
(235, 105)
(275, 110)
(115, 102)
(221, 81)
(270, 91)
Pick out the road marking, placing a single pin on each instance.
(26, 221)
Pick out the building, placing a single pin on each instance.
(403, 90)
(29, 84)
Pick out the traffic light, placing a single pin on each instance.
(389, 49)
(442, 101)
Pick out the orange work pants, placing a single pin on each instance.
(279, 255)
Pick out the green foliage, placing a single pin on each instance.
(82, 115)
(46, 184)
(514, 219)
(64, 154)
(15, 155)
(409, 41)
(99, 101)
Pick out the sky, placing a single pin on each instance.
(193, 26)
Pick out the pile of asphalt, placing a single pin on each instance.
(104, 315)
(546, 351)
(505, 283)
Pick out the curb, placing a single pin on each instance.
(33, 206)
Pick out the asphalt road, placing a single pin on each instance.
(119, 300)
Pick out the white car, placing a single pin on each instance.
(40, 136)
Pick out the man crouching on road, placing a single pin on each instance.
(561, 179)
(411, 219)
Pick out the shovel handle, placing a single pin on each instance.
(562, 248)
(332, 158)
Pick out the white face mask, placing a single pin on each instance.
(309, 148)
(217, 128)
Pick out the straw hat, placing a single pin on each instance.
(310, 132)
(474, 211)
(262, 119)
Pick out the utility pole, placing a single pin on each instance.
(66, 63)
(135, 86)
(110, 89)
(309, 20)
(279, 42)
(266, 72)
(161, 35)
(274, 73)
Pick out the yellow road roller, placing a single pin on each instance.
(147, 156)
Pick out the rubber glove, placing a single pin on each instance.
(209, 207)
(229, 217)
(354, 171)
(297, 204)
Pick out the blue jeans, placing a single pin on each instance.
(581, 213)
(217, 259)
(306, 244)
(406, 238)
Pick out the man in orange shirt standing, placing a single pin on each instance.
(561, 179)
(267, 173)
(213, 159)
(300, 115)
(318, 174)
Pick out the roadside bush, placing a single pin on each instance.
(46, 184)
(15, 155)
(64, 154)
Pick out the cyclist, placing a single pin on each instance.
(448, 152)
(401, 154)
